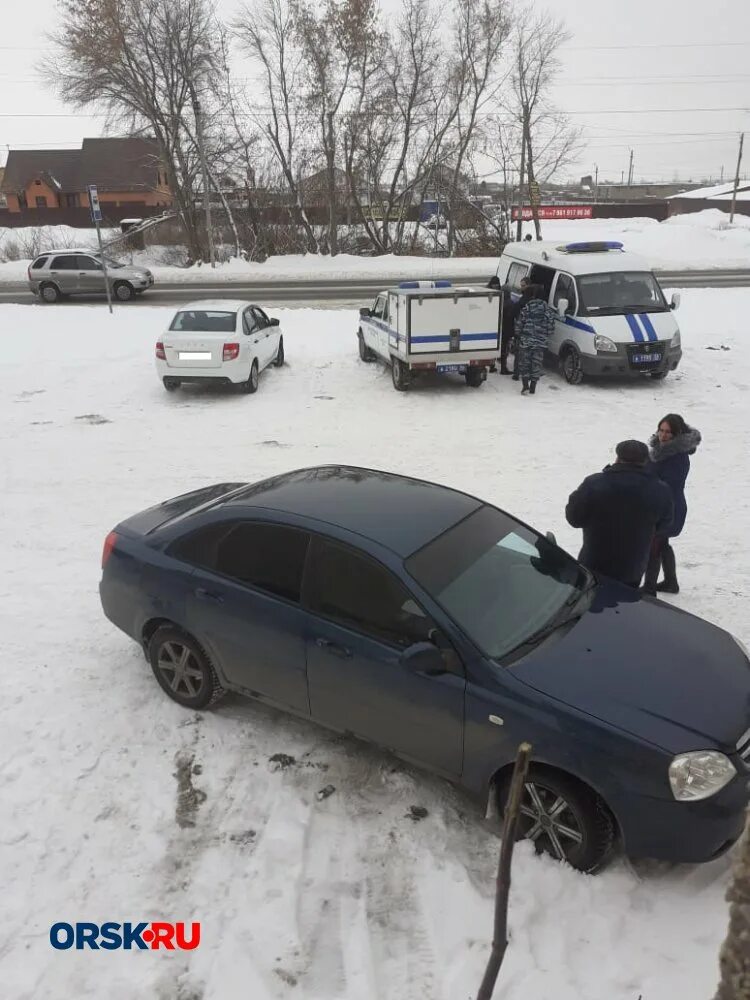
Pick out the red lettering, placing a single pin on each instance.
(195, 936)
(162, 935)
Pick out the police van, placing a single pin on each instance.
(612, 317)
(430, 326)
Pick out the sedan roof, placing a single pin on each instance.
(398, 513)
(215, 305)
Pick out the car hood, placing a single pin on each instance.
(649, 669)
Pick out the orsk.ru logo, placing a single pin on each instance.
(111, 936)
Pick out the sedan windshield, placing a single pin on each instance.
(502, 583)
(205, 321)
(620, 292)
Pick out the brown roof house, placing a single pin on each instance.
(127, 172)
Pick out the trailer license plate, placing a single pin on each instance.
(195, 355)
(451, 368)
(644, 359)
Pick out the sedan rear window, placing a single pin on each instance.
(205, 321)
(39, 262)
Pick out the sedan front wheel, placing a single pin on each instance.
(565, 819)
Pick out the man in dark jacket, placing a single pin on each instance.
(620, 511)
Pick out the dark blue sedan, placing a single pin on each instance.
(432, 623)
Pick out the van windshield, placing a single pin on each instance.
(620, 292)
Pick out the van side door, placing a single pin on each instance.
(565, 288)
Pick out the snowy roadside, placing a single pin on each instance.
(350, 896)
(702, 241)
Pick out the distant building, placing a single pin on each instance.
(127, 172)
(719, 196)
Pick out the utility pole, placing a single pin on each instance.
(630, 170)
(737, 178)
(596, 182)
(204, 170)
(721, 179)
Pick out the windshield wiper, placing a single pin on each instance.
(573, 602)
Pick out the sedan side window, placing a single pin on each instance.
(357, 592)
(270, 557)
(248, 322)
(88, 264)
(260, 318)
(66, 263)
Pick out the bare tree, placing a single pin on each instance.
(536, 40)
(137, 59)
(267, 30)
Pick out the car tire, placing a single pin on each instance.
(124, 291)
(571, 367)
(279, 360)
(365, 353)
(399, 375)
(251, 386)
(659, 376)
(182, 668)
(474, 377)
(170, 383)
(49, 293)
(564, 818)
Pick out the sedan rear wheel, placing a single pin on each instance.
(251, 385)
(565, 819)
(183, 669)
(279, 361)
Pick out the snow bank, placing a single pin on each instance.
(347, 897)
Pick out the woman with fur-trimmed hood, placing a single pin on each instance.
(670, 449)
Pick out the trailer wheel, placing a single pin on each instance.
(400, 375)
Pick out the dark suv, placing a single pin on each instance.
(56, 274)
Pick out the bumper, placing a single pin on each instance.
(683, 832)
(619, 365)
(227, 374)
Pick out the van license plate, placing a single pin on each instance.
(195, 355)
(644, 359)
(451, 368)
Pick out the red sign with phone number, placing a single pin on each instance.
(556, 212)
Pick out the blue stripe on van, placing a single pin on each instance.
(570, 321)
(649, 327)
(634, 328)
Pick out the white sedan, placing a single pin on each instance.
(221, 341)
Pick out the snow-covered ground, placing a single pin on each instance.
(350, 896)
(701, 240)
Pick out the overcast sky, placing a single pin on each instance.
(669, 78)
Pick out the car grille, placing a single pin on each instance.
(648, 348)
(743, 746)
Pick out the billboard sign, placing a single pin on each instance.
(555, 212)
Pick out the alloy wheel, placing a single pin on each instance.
(180, 669)
(549, 821)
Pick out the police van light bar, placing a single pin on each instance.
(425, 284)
(601, 247)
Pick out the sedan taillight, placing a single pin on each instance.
(231, 352)
(160, 351)
(109, 544)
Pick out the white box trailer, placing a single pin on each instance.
(432, 326)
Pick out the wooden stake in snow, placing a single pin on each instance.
(734, 958)
(510, 822)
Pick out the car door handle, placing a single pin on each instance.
(333, 647)
(209, 595)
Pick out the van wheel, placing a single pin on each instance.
(124, 291)
(364, 351)
(400, 375)
(571, 366)
(474, 377)
(564, 818)
(49, 293)
(659, 376)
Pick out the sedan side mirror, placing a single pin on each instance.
(676, 299)
(273, 322)
(551, 538)
(562, 307)
(423, 658)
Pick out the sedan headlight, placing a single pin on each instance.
(676, 340)
(699, 774)
(604, 344)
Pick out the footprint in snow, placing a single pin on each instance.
(93, 418)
